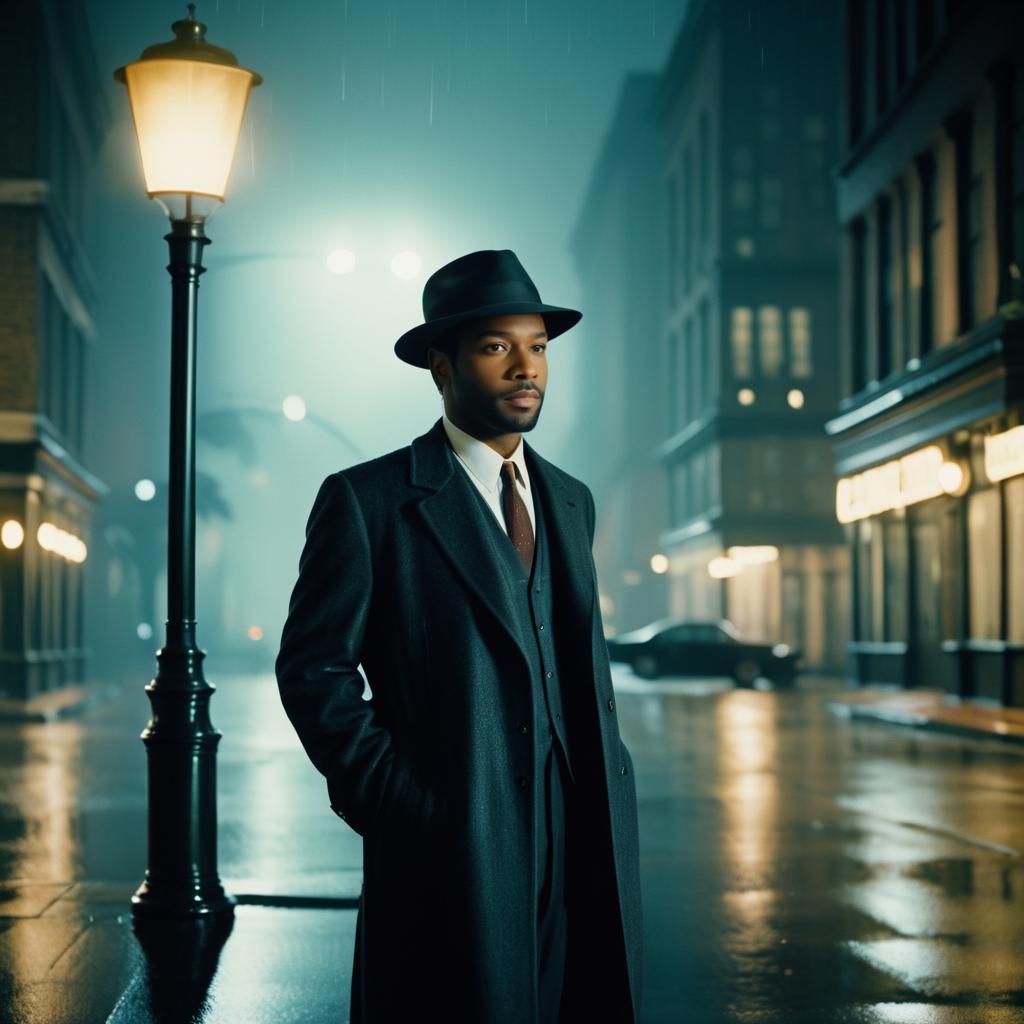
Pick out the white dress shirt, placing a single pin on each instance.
(482, 464)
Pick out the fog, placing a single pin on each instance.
(381, 128)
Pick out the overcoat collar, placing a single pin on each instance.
(445, 511)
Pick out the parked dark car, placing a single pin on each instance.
(671, 647)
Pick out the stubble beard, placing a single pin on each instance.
(492, 420)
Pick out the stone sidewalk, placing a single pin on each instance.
(931, 709)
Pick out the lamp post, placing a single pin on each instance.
(188, 99)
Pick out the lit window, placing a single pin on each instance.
(800, 342)
(769, 331)
(742, 336)
(742, 194)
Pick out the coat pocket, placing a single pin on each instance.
(408, 805)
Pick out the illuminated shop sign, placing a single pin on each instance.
(915, 477)
(1004, 454)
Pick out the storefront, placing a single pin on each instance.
(796, 594)
(937, 546)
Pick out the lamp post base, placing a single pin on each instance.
(203, 899)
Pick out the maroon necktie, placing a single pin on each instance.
(517, 519)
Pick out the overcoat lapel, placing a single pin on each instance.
(445, 511)
(567, 534)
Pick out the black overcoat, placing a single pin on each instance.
(397, 576)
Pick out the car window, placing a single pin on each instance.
(709, 634)
(678, 634)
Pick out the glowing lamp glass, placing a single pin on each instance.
(188, 116)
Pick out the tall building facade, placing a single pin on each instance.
(616, 250)
(929, 441)
(52, 121)
(749, 328)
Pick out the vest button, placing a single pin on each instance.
(522, 782)
(541, 626)
(548, 675)
(611, 705)
(524, 728)
(623, 769)
(558, 715)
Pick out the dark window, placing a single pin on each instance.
(855, 78)
(674, 388)
(930, 223)
(688, 207)
(885, 290)
(72, 371)
(904, 258)
(882, 55)
(708, 383)
(975, 254)
(693, 370)
(924, 26)
(1017, 175)
(899, 42)
(858, 303)
(673, 239)
(704, 163)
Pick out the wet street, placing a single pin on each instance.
(797, 866)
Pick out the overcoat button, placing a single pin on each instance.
(541, 626)
(558, 715)
(522, 782)
(611, 705)
(524, 728)
(623, 769)
(549, 675)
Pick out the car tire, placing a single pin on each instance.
(746, 672)
(646, 666)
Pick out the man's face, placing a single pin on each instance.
(496, 385)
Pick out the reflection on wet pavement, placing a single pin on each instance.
(800, 868)
(797, 867)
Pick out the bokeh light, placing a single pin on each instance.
(341, 261)
(294, 408)
(145, 490)
(406, 264)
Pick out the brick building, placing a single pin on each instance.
(52, 121)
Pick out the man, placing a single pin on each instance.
(486, 774)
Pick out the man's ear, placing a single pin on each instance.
(435, 360)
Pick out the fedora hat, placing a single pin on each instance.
(491, 282)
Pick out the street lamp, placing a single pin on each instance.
(187, 98)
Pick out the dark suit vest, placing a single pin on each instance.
(533, 625)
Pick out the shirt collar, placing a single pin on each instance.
(481, 459)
